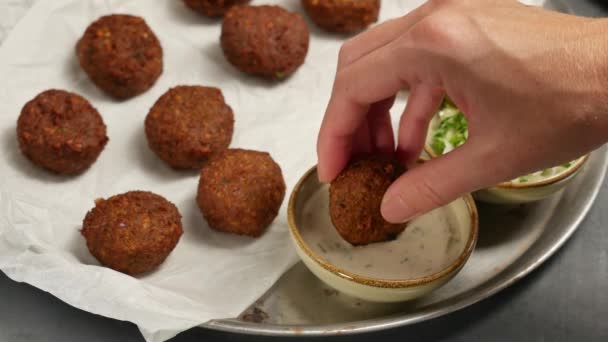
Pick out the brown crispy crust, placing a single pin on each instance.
(121, 55)
(61, 131)
(343, 16)
(266, 41)
(189, 123)
(241, 191)
(355, 197)
(213, 8)
(132, 232)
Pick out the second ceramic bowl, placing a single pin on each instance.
(514, 192)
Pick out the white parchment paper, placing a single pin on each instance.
(209, 275)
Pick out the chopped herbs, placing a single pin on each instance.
(543, 174)
(438, 145)
(321, 248)
(546, 172)
(452, 132)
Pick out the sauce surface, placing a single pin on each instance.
(428, 245)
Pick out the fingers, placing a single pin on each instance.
(378, 36)
(334, 144)
(423, 102)
(362, 142)
(358, 86)
(335, 141)
(433, 184)
(368, 72)
(381, 128)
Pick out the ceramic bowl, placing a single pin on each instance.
(391, 271)
(511, 192)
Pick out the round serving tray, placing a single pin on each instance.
(513, 241)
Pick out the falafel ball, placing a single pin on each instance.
(121, 55)
(266, 41)
(213, 8)
(355, 197)
(342, 16)
(133, 232)
(61, 131)
(240, 191)
(187, 124)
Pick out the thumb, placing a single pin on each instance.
(433, 184)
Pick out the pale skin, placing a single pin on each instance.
(533, 85)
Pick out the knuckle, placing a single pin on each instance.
(441, 30)
(431, 28)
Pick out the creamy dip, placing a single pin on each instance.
(451, 131)
(428, 245)
(542, 175)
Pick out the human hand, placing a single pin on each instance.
(531, 83)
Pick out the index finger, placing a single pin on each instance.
(371, 79)
(344, 114)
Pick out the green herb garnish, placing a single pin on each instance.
(452, 131)
(438, 145)
(453, 128)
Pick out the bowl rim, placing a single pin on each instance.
(570, 171)
(381, 282)
(578, 163)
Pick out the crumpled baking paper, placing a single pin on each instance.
(209, 275)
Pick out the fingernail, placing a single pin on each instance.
(321, 174)
(322, 177)
(395, 210)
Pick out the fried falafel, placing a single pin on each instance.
(213, 8)
(266, 41)
(355, 197)
(133, 232)
(61, 131)
(121, 55)
(240, 191)
(187, 124)
(342, 16)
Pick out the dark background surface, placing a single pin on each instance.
(565, 300)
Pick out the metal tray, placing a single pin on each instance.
(513, 241)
